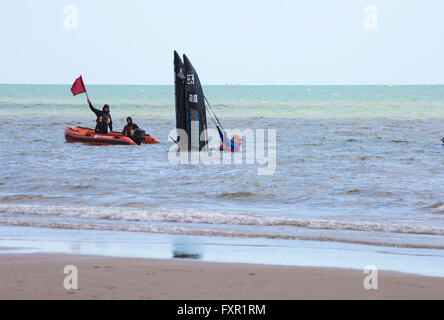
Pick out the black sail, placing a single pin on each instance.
(196, 111)
(179, 82)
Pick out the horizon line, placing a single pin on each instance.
(232, 84)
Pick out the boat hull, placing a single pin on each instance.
(89, 136)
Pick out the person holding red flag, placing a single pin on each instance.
(103, 120)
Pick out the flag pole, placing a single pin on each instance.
(84, 87)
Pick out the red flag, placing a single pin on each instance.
(78, 87)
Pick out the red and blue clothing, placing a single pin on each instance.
(227, 145)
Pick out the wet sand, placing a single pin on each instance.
(40, 276)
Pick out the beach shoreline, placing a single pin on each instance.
(256, 251)
(41, 276)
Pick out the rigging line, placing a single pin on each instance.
(212, 114)
(212, 111)
(212, 119)
(211, 108)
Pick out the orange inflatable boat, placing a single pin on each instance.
(89, 136)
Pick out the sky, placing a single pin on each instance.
(249, 42)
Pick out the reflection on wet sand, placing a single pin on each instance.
(185, 249)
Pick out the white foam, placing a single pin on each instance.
(210, 218)
(438, 208)
(193, 231)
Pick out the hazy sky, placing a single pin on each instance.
(229, 41)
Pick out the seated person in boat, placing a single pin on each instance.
(232, 145)
(103, 118)
(130, 128)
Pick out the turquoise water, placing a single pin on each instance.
(400, 102)
(357, 165)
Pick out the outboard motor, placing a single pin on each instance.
(139, 136)
(442, 140)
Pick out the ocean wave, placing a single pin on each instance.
(437, 207)
(20, 197)
(192, 231)
(243, 195)
(208, 217)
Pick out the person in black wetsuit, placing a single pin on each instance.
(103, 118)
(130, 128)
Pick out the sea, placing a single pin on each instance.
(358, 180)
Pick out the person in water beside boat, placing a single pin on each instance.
(232, 145)
(103, 118)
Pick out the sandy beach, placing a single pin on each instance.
(293, 153)
(40, 276)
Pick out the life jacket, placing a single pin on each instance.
(104, 119)
(129, 130)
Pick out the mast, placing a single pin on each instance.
(195, 108)
(179, 84)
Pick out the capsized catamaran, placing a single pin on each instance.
(190, 105)
(179, 86)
